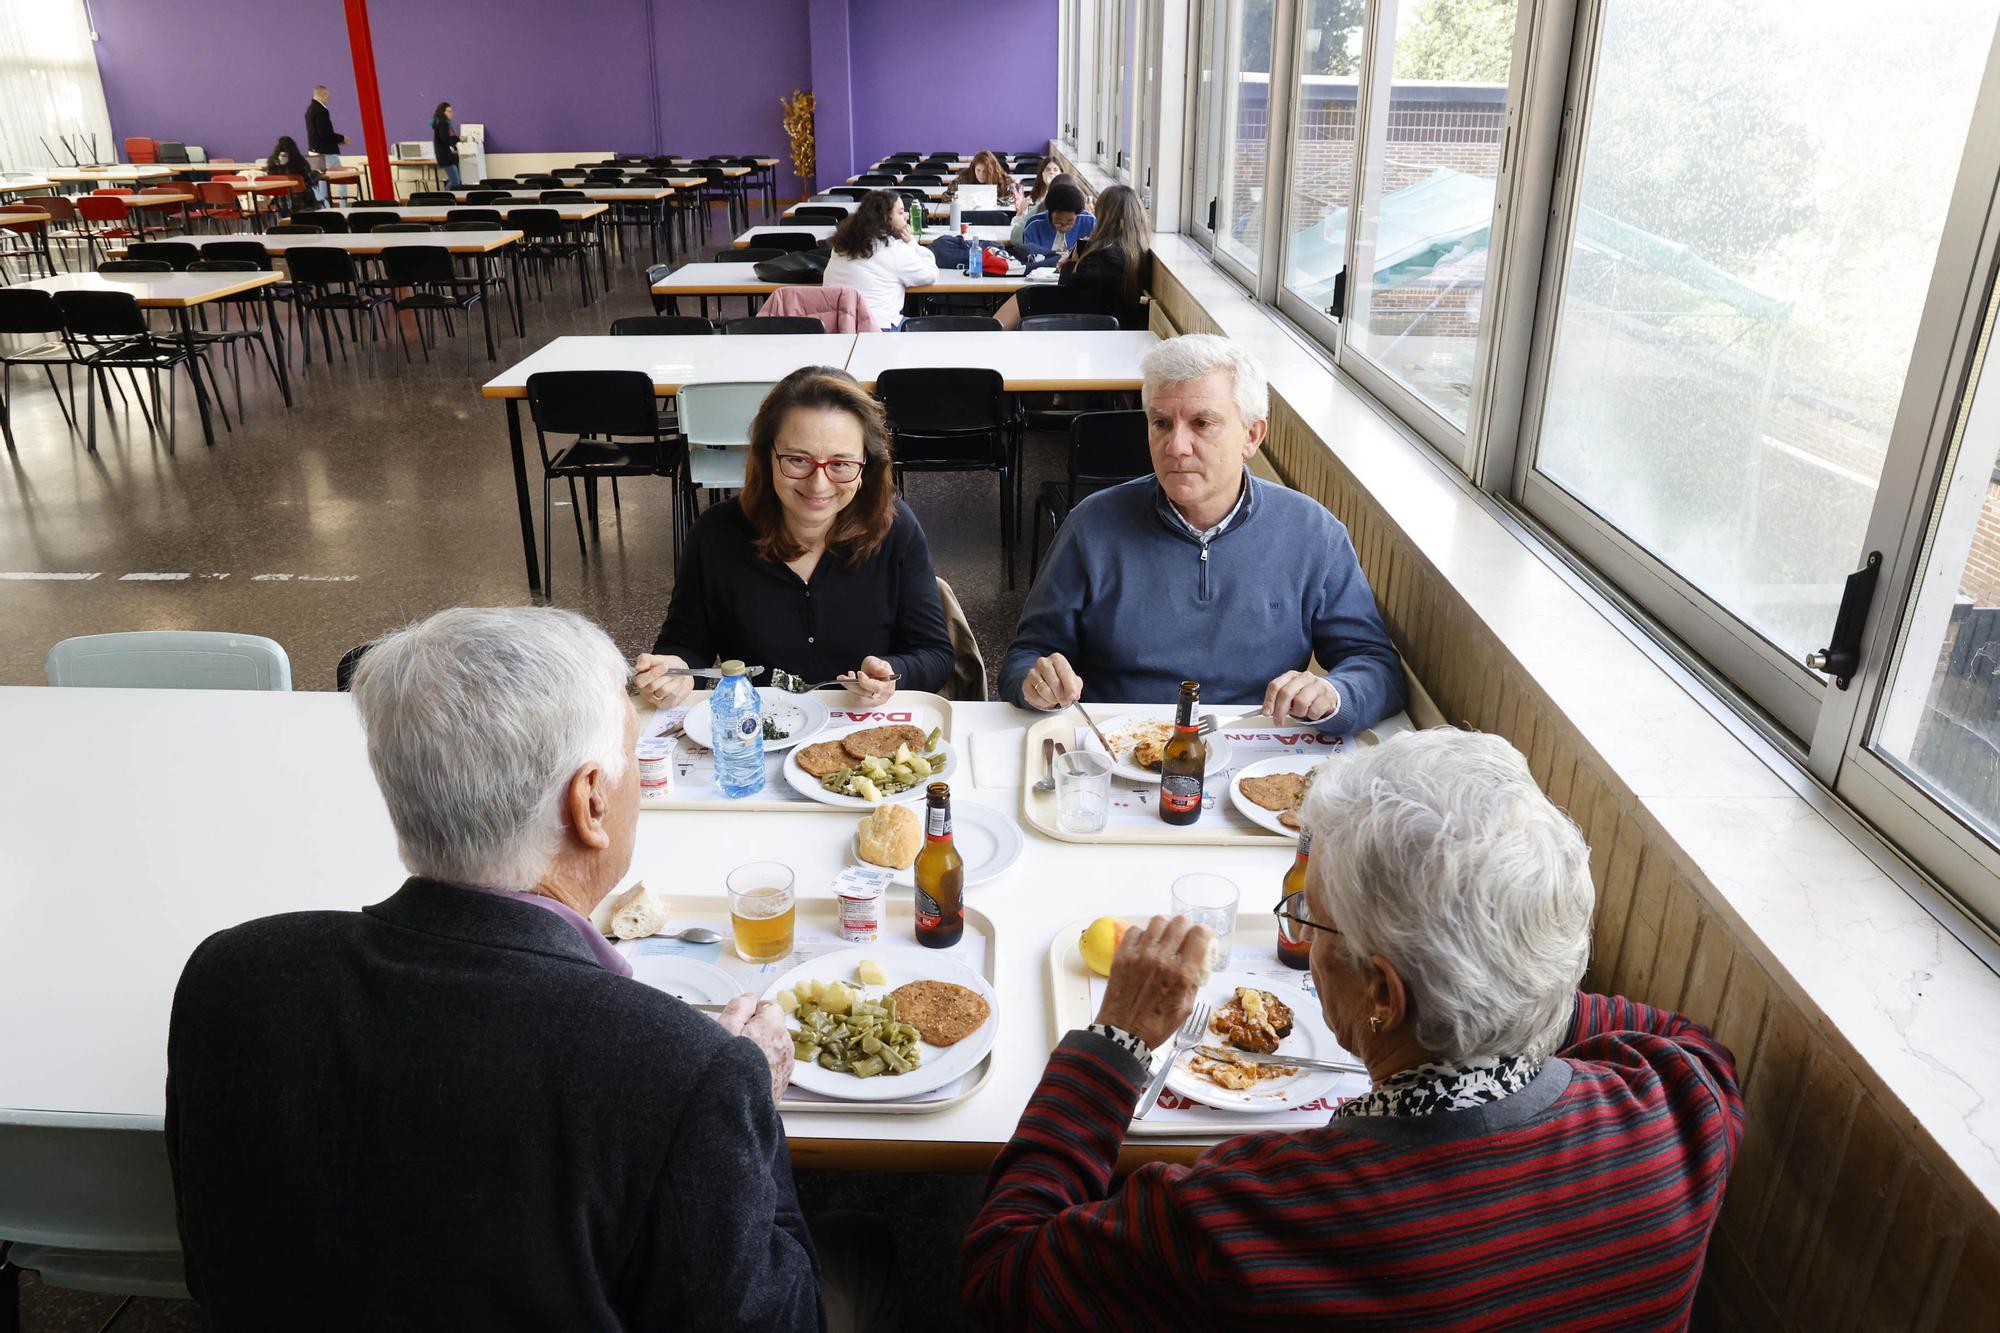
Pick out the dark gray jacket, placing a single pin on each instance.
(439, 1112)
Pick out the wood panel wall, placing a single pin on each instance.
(1834, 1217)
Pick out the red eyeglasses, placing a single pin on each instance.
(840, 471)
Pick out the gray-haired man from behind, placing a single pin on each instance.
(454, 1109)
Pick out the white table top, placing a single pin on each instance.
(713, 280)
(673, 362)
(622, 195)
(94, 929)
(1029, 362)
(25, 183)
(570, 211)
(120, 171)
(158, 290)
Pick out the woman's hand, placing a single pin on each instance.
(873, 683)
(655, 686)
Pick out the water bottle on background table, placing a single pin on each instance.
(956, 211)
(737, 722)
(974, 256)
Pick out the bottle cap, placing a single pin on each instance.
(733, 667)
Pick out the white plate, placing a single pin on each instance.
(1263, 768)
(808, 712)
(938, 1065)
(986, 839)
(1310, 1037)
(687, 979)
(1121, 760)
(806, 785)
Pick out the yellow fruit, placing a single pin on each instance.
(1100, 942)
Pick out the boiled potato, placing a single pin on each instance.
(919, 766)
(789, 1002)
(866, 789)
(870, 973)
(836, 997)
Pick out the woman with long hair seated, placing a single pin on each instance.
(986, 168)
(286, 160)
(1114, 261)
(1028, 201)
(816, 568)
(874, 253)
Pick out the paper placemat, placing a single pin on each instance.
(996, 757)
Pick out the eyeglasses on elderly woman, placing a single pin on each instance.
(1293, 921)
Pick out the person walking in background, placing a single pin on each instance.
(444, 141)
(320, 135)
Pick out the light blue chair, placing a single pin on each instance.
(715, 419)
(87, 1202)
(174, 659)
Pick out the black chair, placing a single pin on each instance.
(432, 287)
(1071, 300)
(774, 324)
(1069, 323)
(563, 197)
(956, 419)
(660, 326)
(856, 192)
(875, 178)
(484, 196)
(615, 416)
(496, 183)
(487, 218)
(547, 242)
(951, 324)
(808, 215)
(26, 311)
(106, 331)
(749, 254)
(327, 282)
(463, 225)
(174, 254)
(298, 229)
(377, 203)
(570, 173)
(433, 197)
(135, 266)
(225, 337)
(786, 241)
(539, 183)
(405, 228)
(923, 178)
(369, 221)
(323, 218)
(1105, 448)
(986, 217)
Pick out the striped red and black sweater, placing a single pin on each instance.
(1584, 1200)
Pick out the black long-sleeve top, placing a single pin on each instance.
(730, 602)
(320, 134)
(1102, 268)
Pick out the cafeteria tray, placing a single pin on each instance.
(817, 932)
(917, 707)
(1074, 991)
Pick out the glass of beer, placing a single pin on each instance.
(762, 910)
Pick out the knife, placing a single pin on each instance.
(1095, 732)
(710, 673)
(1303, 1062)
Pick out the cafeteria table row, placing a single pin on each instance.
(1037, 362)
(104, 902)
(702, 281)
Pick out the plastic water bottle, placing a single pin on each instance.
(974, 255)
(738, 723)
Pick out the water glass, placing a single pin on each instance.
(1209, 900)
(762, 910)
(1083, 791)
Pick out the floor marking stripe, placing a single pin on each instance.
(27, 577)
(152, 578)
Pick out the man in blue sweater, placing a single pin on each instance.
(1203, 572)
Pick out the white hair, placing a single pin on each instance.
(1192, 355)
(1437, 851)
(477, 719)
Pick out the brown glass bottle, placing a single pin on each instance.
(1185, 762)
(940, 875)
(1294, 940)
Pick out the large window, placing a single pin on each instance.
(1209, 54)
(1245, 118)
(1324, 125)
(49, 85)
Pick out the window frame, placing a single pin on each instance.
(1207, 20)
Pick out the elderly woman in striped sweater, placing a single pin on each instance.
(1527, 1155)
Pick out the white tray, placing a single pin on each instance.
(817, 933)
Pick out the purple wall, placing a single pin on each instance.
(911, 92)
(232, 75)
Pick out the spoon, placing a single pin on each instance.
(692, 934)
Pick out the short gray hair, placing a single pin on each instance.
(1192, 355)
(477, 718)
(1437, 851)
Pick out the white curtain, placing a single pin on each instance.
(49, 85)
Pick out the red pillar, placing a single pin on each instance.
(381, 176)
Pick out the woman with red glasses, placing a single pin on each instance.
(816, 568)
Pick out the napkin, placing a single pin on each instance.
(996, 757)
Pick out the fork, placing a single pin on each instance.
(1191, 1032)
(820, 685)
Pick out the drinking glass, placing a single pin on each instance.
(762, 910)
(1083, 791)
(1209, 900)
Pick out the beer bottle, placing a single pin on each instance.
(1185, 761)
(940, 874)
(1295, 952)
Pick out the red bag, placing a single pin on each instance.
(993, 263)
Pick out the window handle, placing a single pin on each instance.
(1337, 307)
(1842, 657)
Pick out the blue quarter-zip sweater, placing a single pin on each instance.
(1137, 604)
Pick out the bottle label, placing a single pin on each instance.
(929, 915)
(749, 726)
(939, 824)
(1305, 843)
(1180, 793)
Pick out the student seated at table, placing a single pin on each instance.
(816, 568)
(287, 160)
(455, 1108)
(1203, 572)
(1028, 201)
(1526, 1156)
(986, 168)
(1063, 224)
(1115, 260)
(874, 253)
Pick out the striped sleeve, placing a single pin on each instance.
(1692, 1064)
(1049, 1248)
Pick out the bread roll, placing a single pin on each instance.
(891, 835)
(639, 912)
